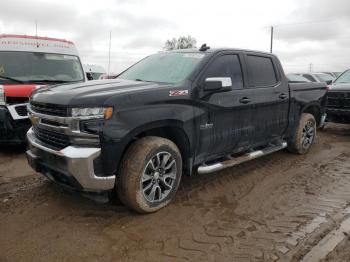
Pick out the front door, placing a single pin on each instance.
(227, 125)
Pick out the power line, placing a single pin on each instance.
(306, 22)
(293, 24)
(331, 64)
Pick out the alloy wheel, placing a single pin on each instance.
(158, 178)
(308, 134)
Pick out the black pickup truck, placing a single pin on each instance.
(168, 114)
(338, 100)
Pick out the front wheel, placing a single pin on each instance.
(150, 174)
(304, 135)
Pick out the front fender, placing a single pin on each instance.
(126, 126)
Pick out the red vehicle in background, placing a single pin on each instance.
(27, 63)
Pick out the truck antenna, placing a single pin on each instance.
(204, 47)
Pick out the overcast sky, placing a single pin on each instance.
(312, 31)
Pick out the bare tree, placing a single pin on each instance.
(183, 42)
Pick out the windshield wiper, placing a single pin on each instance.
(12, 79)
(140, 80)
(148, 81)
(50, 81)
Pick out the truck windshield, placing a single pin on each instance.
(344, 78)
(40, 67)
(163, 68)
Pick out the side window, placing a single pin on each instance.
(226, 66)
(262, 72)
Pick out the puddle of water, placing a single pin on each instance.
(328, 243)
(315, 223)
(307, 229)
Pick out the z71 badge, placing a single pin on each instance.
(178, 93)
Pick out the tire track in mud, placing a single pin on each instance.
(267, 238)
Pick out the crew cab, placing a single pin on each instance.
(338, 100)
(167, 115)
(27, 63)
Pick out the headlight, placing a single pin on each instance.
(95, 112)
(2, 96)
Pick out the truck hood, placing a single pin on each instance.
(92, 92)
(19, 90)
(340, 87)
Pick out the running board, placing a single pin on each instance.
(205, 169)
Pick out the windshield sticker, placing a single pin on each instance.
(193, 55)
(2, 70)
(178, 93)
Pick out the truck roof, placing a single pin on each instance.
(214, 50)
(26, 43)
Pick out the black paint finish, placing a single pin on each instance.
(338, 103)
(205, 125)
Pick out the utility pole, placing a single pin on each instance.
(271, 43)
(109, 52)
(311, 67)
(36, 33)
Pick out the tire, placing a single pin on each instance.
(156, 161)
(304, 135)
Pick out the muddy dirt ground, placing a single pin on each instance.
(281, 207)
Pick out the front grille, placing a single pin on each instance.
(49, 109)
(22, 110)
(339, 100)
(54, 139)
(16, 100)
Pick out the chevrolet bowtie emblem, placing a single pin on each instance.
(34, 119)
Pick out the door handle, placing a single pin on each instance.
(283, 96)
(244, 100)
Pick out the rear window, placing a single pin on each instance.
(262, 72)
(309, 77)
(297, 78)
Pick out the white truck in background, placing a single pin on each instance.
(27, 63)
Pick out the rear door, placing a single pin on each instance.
(269, 96)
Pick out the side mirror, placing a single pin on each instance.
(329, 82)
(220, 84)
(89, 76)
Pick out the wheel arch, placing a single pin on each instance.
(315, 110)
(168, 129)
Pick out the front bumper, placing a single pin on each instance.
(336, 115)
(12, 130)
(72, 166)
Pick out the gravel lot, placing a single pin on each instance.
(280, 207)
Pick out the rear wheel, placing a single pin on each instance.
(150, 174)
(304, 135)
